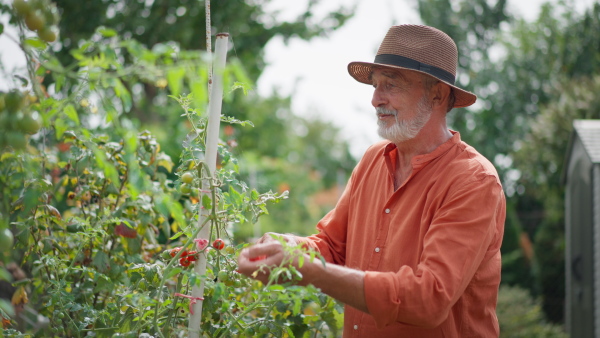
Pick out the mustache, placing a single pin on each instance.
(383, 111)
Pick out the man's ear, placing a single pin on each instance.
(440, 94)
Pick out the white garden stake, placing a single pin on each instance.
(212, 139)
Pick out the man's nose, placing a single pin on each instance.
(378, 98)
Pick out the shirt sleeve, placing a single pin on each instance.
(465, 231)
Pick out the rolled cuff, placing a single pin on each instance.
(381, 303)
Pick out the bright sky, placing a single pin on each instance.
(315, 72)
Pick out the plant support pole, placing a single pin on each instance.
(212, 139)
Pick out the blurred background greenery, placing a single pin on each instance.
(533, 78)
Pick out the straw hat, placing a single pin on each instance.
(421, 48)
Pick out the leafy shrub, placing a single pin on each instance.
(520, 315)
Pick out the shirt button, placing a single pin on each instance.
(376, 249)
(387, 211)
(356, 327)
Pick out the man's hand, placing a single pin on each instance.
(274, 237)
(342, 283)
(257, 261)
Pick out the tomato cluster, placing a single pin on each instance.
(187, 179)
(40, 16)
(186, 258)
(16, 121)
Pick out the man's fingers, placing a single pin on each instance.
(264, 250)
(254, 258)
(268, 237)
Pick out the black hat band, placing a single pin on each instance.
(404, 62)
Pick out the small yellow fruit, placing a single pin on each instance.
(47, 34)
(35, 21)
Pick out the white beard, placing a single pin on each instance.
(404, 130)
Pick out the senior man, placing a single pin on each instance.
(413, 245)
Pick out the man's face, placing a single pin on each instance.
(401, 104)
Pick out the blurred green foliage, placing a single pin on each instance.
(520, 315)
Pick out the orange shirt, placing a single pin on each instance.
(431, 249)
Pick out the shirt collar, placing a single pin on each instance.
(390, 151)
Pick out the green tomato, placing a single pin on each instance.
(6, 239)
(249, 331)
(35, 20)
(13, 101)
(263, 328)
(21, 7)
(185, 189)
(47, 34)
(223, 276)
(29, 125)
(187, 178)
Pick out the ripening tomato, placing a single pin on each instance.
(187, 178)
(218, 244)
(35, 20)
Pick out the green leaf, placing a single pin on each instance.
(6, 307)
(173, 272)
(199, 92)
(106, 32)
(165, 161)
(1, 28)
(206, 202)
(109, 170)
(35, 43)
(101, 261)
(5, 275)
(175, 79)
(60, 127)
(72, 113)
(122, 93)
(59, 81)
(242, 86)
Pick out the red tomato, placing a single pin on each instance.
(258, 258)
(184, 262)
(174, 251)
(218, 244)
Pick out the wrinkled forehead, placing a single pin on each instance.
(391, 73)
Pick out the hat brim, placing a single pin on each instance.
(361, 72)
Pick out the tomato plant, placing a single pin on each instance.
(104, 223)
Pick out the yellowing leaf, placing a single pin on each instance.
(165, 161)
(20, 296)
